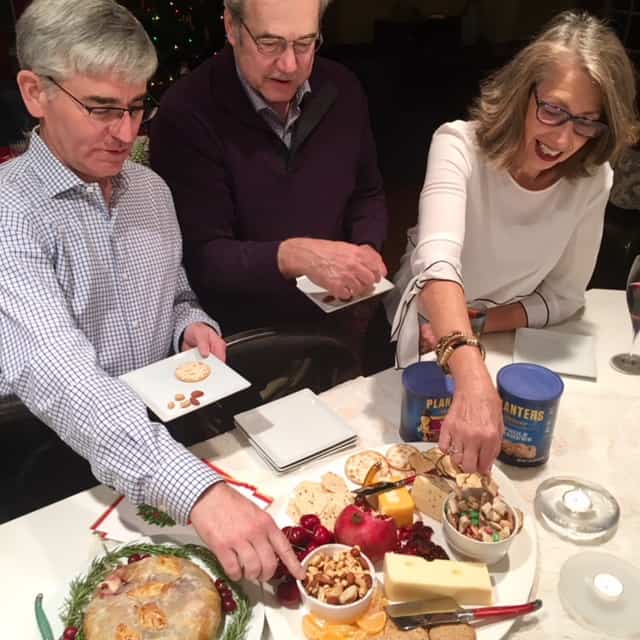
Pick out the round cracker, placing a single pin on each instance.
(358, 464)
(398, 456)
(193, 371)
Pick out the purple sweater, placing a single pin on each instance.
(239, 191)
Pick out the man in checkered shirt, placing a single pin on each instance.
(91, 282)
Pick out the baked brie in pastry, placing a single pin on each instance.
(159, 598)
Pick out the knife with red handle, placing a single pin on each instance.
(406, 623)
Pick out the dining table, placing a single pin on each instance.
(596, 437)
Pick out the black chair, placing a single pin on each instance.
(277, 362)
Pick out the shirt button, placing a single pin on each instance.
(125, 277)
(135, 324)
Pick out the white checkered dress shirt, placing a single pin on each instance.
(88, 293)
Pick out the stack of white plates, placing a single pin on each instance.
(295, 430)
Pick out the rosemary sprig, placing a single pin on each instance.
(83, 589)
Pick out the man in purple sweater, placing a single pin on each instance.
(269, 154)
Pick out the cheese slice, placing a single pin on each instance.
(414, 578)
(429, 494)
(398, 505)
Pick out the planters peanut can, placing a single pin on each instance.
(530, 395)
(426, 398)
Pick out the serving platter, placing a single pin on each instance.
(512, 577)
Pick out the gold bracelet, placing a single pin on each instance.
(445, 341)
(452, 343)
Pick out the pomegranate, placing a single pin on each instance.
(375, 535)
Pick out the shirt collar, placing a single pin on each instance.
(56, 177)
(259, 103)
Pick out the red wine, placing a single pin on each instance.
(633, 302)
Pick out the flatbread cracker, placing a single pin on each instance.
(358, 464)
(193, 371)
(398, 456)
(333, 482)
(420, 463)
(452, 632)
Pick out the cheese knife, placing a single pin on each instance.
(405, 623)
(381, 487)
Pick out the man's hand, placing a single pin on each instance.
(243, 537)
(345, 270)
(472, 430)
(206, 339)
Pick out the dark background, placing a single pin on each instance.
(420, 62)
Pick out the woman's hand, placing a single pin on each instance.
(472, 430)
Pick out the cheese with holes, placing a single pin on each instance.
(398, 505)
(414, 578)
(429, 494)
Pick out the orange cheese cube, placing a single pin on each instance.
(397, 504)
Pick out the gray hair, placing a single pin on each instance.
(236, 7)
(61, 38)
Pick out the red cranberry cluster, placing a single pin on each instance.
(70, 633)
(415, 540)
(136, 557)
(229, 604)
(306, 537)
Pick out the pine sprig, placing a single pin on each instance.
(83, 589)
(152, 515)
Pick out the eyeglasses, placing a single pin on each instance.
(110, 115)
(554, 116)
(274, 46)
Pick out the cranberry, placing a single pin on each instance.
(288, 594)
(134, 557)
(300, 554)
(219, 583)
(70, 633)
(281, 571)
(405, 533)
(287, 532)
(411, 550)
(310, 522)
(229, 604)
(311, 547)
(322, 535)
(144, 556)
(299, 537)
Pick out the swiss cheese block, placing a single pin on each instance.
(413, 578)
(398, 505)
(429, 494)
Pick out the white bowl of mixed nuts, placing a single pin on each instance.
(479, 525)
(339, 582)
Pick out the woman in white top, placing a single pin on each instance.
(511, 212)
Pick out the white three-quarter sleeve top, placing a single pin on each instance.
(502, 243)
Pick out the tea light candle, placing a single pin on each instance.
(607, 587)
(577, 501)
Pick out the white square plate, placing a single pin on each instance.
(567, 353)
(157, 385)
(328, 303)
(293, 428)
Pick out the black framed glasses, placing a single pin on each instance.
(110, 115)
(553, 115)
(274, 46)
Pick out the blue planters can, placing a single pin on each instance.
(426, 397)
(530, 396)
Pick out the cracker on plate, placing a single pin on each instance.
(193, 371)
(358, 464)
(398, 456)
(420, 463)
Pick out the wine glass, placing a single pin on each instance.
(630, 362)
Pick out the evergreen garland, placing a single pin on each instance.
(83, 588)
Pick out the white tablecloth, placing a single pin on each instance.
(596, 437)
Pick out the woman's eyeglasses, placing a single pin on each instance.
(553, 115)
(110, 115)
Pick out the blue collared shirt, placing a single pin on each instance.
(87, 293)
(283, 129)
